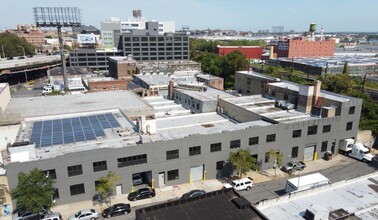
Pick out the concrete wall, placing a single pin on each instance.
(238, 113)
(250, 85)
(195, 105)
(4, 96)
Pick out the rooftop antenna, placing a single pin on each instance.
(58, 17)
(321, 33)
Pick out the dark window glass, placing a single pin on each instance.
(297, 133)
(352, 109)
(254, 141)
(173, 175)
(50, 173)
(56, 194)
(349, 126)
(75, 170)
(294, 152)
(99, 166)
(172, 154)
(267, 157)
(312, 130)
(235, 144)
(326, 128)
(270, 138)
(215, 147)
(77, 189)
(131, 161)
(324, 146)
(220, 165)
(194, 150)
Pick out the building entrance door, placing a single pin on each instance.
(161, 179)
(196, 173)
(119, 189)
(309, 153)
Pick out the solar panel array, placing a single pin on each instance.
(70, 130)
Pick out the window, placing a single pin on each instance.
(267, 157)
(173, 174)
(131, 161)
(349, 126)
(294, 152)
(172, 154)
(312, 130)
(235, 144)
(56, 194)
(194, 150)
(253, 141)
(352, 109)
(75, 170)
(270, 138)
(324, 146)
(99, 166)
(50, 173)
(297, 133)
(220, 165)
(215, 147)
(77, 189)
(326, 128)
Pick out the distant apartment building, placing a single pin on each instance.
(111, 30)
(250, 52)
(302, 47)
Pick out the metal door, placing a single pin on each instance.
(196, 173)
(161, 179)
(309, 153)
(119, 189)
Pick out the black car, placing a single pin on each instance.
(116, 209)
(193, 194)
(141, 194)
(20, 58)
(10, 58)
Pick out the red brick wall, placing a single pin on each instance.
(249, 53)
(107, 85)
(305, 48)
(216, 83)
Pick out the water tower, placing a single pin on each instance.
(137, 13)
(312, 31)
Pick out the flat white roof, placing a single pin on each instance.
(286, 85)
(357, 196)
(208, 95)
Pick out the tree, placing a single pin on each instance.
(346, 70)
(278, 157)
(34, 191)
(13, 45)
(242, 161)
(106, 186)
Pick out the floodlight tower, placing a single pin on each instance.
(58, 17)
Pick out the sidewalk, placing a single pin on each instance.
(176, 191)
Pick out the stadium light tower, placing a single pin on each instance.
(58, 17)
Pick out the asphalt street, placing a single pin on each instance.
(274, 188)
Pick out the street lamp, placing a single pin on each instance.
(23, 49)
(299, 171)
(2, 47)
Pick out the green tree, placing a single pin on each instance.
(34, 191)
(242, 161)
(339, 83)
(234, 61)
(275, 155)
(13, 45)
(67, 47)
(107, 185)
(346, 70)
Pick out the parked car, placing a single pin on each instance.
(116, 209)
(48, 86)
(293, 166)
(22, 214)
(240, 184)
(46, 91)
(137, 179)
(20, 58)
(52, 216)
(193, 194)
(85, 214)
(30, 55)
(10, 58)
(141, 194)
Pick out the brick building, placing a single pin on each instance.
(302, 47)
(210, 80)
(122, 67)
(34, 37)
(250, 52)
(107, 85)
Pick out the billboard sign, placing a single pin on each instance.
(86, 39)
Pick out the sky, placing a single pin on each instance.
(241, 15)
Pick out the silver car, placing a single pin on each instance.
(85, 214)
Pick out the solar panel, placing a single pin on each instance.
(70, 130)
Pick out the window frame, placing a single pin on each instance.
(75, 170)
(100, 166)
(77, 191)
(215, 147)
(297, 133)
(173, 175)
(270, 138)
(235, 144)
(196, 150)
(253, 141)
(172, 154)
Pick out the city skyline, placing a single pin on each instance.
(242, 15)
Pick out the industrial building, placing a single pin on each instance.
(357, 65)
(250, 52)
(184, 136)
(305, 46)
(95, 59)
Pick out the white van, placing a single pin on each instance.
(47, 91)
(241, 184)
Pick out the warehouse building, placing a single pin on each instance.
(78, 139)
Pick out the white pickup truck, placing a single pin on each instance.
(240, 184)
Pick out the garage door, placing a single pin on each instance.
(309, 153)
(196, 173)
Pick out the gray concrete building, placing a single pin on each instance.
(78, 139)
(95, 59)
